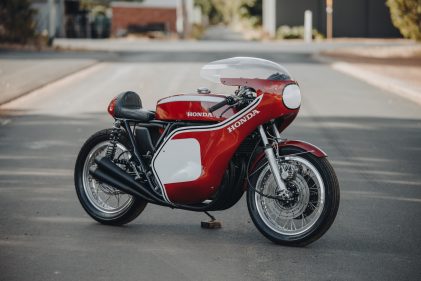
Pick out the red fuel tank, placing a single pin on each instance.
(192, 107)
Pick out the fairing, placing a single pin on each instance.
(190, 163)
(217, 144)
(243, 67)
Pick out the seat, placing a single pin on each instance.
(129, 106)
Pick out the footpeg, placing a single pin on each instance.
(212, 224)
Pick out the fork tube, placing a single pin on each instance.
(270, 155)
(276, 131)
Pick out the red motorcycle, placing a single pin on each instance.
(200, 152)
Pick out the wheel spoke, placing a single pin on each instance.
(286, 222)
(293, 227)
(299, 212)
(103, 200)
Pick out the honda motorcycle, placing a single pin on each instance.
(200, 152)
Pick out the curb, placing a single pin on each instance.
(383, 82)
(53, 80)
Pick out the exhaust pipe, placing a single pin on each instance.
(109, 173)
(99, 175)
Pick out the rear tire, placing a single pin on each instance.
(301, 221)
(89, 190)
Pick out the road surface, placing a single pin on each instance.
(372, 138)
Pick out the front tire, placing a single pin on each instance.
(312, 207)
(104, 203)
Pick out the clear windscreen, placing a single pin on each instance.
(244, 67)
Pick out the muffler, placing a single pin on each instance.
(109, 173)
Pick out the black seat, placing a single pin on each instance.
(129, 106)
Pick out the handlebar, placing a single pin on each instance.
(218, 105)
(245, 95)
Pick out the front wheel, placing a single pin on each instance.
(312, 202)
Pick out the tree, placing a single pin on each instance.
(17, 23)
(229, 11)
(253, 11)
(406, 16)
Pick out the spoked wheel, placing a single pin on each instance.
(102, 202)
(310, 207)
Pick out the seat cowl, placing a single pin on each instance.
(129, 106)
(140, 114)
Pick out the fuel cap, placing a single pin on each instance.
(203, 90)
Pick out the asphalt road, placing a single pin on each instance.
(372, 138)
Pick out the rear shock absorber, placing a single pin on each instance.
(114, 138)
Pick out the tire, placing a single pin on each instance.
(89, 191)
(306, 187)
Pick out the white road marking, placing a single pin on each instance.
(4, 122)
(386, 83)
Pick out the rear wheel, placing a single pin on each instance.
(312, 204)
(102, 202)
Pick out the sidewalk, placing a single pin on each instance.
(394, 68)
(23, 72)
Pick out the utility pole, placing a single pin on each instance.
(329, 19)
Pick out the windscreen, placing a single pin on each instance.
(243, 67)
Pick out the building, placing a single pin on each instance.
(356, 18)
(67, 18)
(78, 19)
(170, 16)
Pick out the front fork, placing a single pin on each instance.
(270, 155)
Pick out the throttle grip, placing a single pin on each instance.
(218, 105)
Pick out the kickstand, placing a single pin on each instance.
(212, 224)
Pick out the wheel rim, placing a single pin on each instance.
(298, 215)
(103, 197)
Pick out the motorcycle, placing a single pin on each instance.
(200, 152)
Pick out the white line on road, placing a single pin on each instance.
(4, 122)
(381, 81)
(34, 96)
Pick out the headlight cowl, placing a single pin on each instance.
(291, 96)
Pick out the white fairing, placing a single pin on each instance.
(292, 96)
(242, 67)
(179, 161)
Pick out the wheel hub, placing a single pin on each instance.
(293, 205)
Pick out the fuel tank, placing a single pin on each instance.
(192, 107)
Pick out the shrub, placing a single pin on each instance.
(197, 31)
(16, 21)
(406, 16)
(295, 32)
